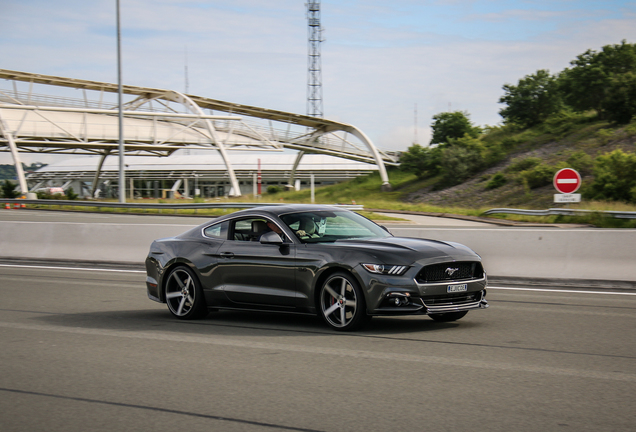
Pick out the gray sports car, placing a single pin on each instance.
(316, 260)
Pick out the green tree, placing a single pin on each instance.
(421, 161)
(620, 105)
(449, 125)
(614, 177)
(71, 195)
(604, 81)
(9, 190)
(532, 100)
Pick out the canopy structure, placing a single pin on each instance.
(158, 122)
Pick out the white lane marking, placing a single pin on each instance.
(445, 362)
(71, 268)
(561, 291)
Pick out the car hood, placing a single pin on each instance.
(411, 249)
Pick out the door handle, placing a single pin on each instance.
(227, 254)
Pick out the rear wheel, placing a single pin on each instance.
(184, 295)
(341, 303)
(449, 316)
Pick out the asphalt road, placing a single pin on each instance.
(87, 351)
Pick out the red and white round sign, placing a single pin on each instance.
(567, 181)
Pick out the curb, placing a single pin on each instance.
(557, 283)
(492, 221)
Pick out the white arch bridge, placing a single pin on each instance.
(158, 122)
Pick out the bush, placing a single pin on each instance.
(71, 195)
(540, 175)
(274, 189)
(519, 165)
(459, 163)
(496, 181)
(421, 161)
(48, 196)
(582, 162)
(614, 177)
(604, 136)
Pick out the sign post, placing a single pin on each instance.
(567, 181)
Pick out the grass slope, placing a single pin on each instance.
(560, 142)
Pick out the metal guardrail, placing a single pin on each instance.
(358, 207)
(561, 211)
(148, 206)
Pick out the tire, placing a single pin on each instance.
(341, 303)
(184, 295)
(449, 316)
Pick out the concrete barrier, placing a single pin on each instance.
(604, 254)
(601, 254)
(81, 241)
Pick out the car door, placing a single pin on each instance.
(253, 273)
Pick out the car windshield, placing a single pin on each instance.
(330, 226)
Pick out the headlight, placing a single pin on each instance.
(394, 270)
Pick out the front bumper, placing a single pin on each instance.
(409, 305)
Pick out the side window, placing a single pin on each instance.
(218, 231)
(249, 229)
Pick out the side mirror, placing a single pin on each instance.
(271, 238)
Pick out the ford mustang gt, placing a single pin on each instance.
(312, 259)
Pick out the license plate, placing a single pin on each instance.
(456, 288)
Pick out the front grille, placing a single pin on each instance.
(454, 271)
(451, 299)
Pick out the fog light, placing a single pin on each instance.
(398, 298)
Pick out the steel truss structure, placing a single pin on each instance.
(158, 122)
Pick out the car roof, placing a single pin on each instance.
(280, 209)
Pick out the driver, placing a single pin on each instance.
(272, 227)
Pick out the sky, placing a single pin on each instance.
(387, 66)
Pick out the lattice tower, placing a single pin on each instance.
(314, 75)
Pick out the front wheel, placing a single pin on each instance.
(184, 294)
(449, 316)
(342, 304)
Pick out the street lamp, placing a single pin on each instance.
(122, 172)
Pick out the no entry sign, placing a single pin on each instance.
(567, 181)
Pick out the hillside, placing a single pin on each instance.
(555, 146)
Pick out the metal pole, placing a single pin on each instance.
(259, 178)
(122, 172)
(313, 189)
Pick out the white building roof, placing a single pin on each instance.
(212, 161)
